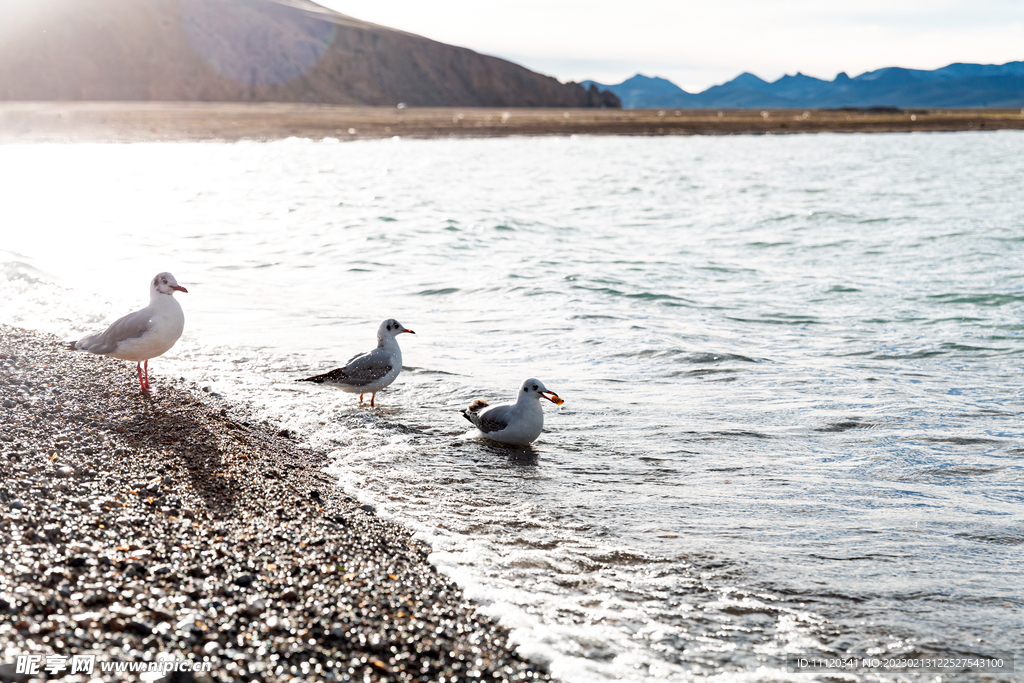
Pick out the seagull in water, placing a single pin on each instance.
(518, 423)
(144, 334)
(368, 373)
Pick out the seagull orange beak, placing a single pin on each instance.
(180, 288)
(409, 331)
(553, 397)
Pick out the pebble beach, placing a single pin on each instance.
(174, 526)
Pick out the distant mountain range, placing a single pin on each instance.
(956, 85)
(250, 51)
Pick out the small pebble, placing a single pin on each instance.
(256, 607)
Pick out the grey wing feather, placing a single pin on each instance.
(361, 369)
(493, 419)
(366, 369)
(131, 326)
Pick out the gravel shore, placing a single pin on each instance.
(136, 528)
(231, 121)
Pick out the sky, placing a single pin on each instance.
(700, 44)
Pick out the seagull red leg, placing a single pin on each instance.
(142, 385)
(360, 398)
(372, 397)
(146, 365)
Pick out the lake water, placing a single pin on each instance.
(791, 366)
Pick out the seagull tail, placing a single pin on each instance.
(474, 408)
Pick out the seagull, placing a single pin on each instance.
(368, 373)
(144, 334)
(516, 424)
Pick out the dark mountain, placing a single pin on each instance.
(250, 50)
(956, 85)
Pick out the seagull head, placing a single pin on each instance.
(391, 328)
(534, 388)
(164, 283)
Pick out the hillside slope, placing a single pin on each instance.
(249, 51)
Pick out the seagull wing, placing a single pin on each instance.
(493, 419)
(131, 326)
(362, 369)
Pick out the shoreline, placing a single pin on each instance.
(171, 525)
(233, 121)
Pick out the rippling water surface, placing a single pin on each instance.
(791, 365)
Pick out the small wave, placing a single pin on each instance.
(427, 371)
(956, 319)
(680, 356)
(981, 299)
(821, 216)
(725, 269)
(886, 219)
(952, 346)
(741, 432)
(717, 358)
(846, 425)
(995, 538)
(780, 219)
(779, 319)
(988, 412)
(914, 355)
(437, 292)
(881, 558)
(700, 372)
(953, 471)
(624, 557)
(961, 440)
(19, 270)
(643, 296)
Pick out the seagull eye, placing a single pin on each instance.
(535, 387)
(164, 281)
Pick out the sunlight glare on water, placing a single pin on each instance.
(791, 366)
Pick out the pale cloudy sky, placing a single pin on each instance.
(700, 44)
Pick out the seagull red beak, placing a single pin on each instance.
(180, 288)
(553, 397)
(409, 331)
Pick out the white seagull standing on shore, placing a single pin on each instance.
(368, 373)
(516, 424)
(144, 334)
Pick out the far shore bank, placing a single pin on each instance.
(230, 121)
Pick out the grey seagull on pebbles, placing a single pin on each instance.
(516, 424)
(144, 334)
(368, 373)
